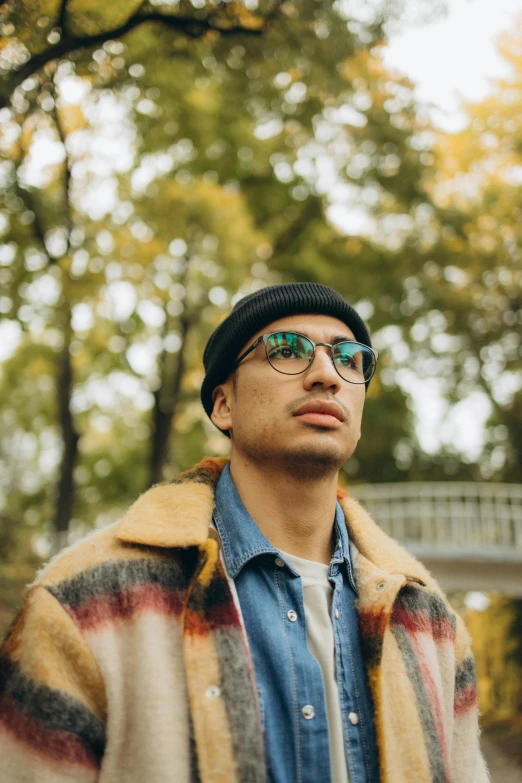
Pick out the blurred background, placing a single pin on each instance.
(161, 159)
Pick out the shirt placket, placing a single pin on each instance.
(350, 698)
(311, 720)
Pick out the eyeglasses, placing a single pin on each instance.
(291, 353)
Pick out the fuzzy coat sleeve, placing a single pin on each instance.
(482, 773)
(52, 700)
(467, 760)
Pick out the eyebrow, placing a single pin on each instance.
(339, 338)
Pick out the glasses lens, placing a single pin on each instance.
(289, 353)
(354, 362)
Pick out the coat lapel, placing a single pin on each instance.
(177, 513)
(220, 678)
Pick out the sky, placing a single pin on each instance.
(455, 57)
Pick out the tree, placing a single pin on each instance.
(43, 32)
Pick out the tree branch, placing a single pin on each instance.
(166, 398)
(65, 489)
(283, 243)
(194, 28)
(26, 194)
(27, 198)
(67, 167)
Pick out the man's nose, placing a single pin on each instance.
(322, 369)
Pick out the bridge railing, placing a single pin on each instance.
(485, 517)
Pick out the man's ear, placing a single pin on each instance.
(222, 412)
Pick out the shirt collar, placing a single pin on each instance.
(242, 540)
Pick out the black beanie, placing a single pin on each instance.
(259, 309)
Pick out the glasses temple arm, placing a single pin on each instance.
(254, 345)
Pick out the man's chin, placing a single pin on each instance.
(317, 451)
(315, 458)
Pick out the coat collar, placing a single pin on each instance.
(179, 514)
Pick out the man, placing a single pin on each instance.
(247, 621)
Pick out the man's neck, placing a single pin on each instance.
(295, 514)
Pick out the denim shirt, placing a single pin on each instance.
(288, 676)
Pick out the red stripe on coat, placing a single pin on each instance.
(433, 695)
(218, 617)
(47, 743)
(125, 604)
(465, 699)
(373, 623)
(422, 622)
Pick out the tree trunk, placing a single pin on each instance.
(65, 487)
(166, 399)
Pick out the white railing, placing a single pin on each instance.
(474, 516)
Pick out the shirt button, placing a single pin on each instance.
(337, 614)
(308, 712)
(353, 718)
(292, 616)
(381, 585)
(213, 692)
(279, 562)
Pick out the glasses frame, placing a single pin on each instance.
(264, 338)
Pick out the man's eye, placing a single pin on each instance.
(284, 353)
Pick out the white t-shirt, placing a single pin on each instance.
(317, 594)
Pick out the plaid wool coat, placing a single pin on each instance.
(128, 661)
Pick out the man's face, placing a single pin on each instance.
(261, 411)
